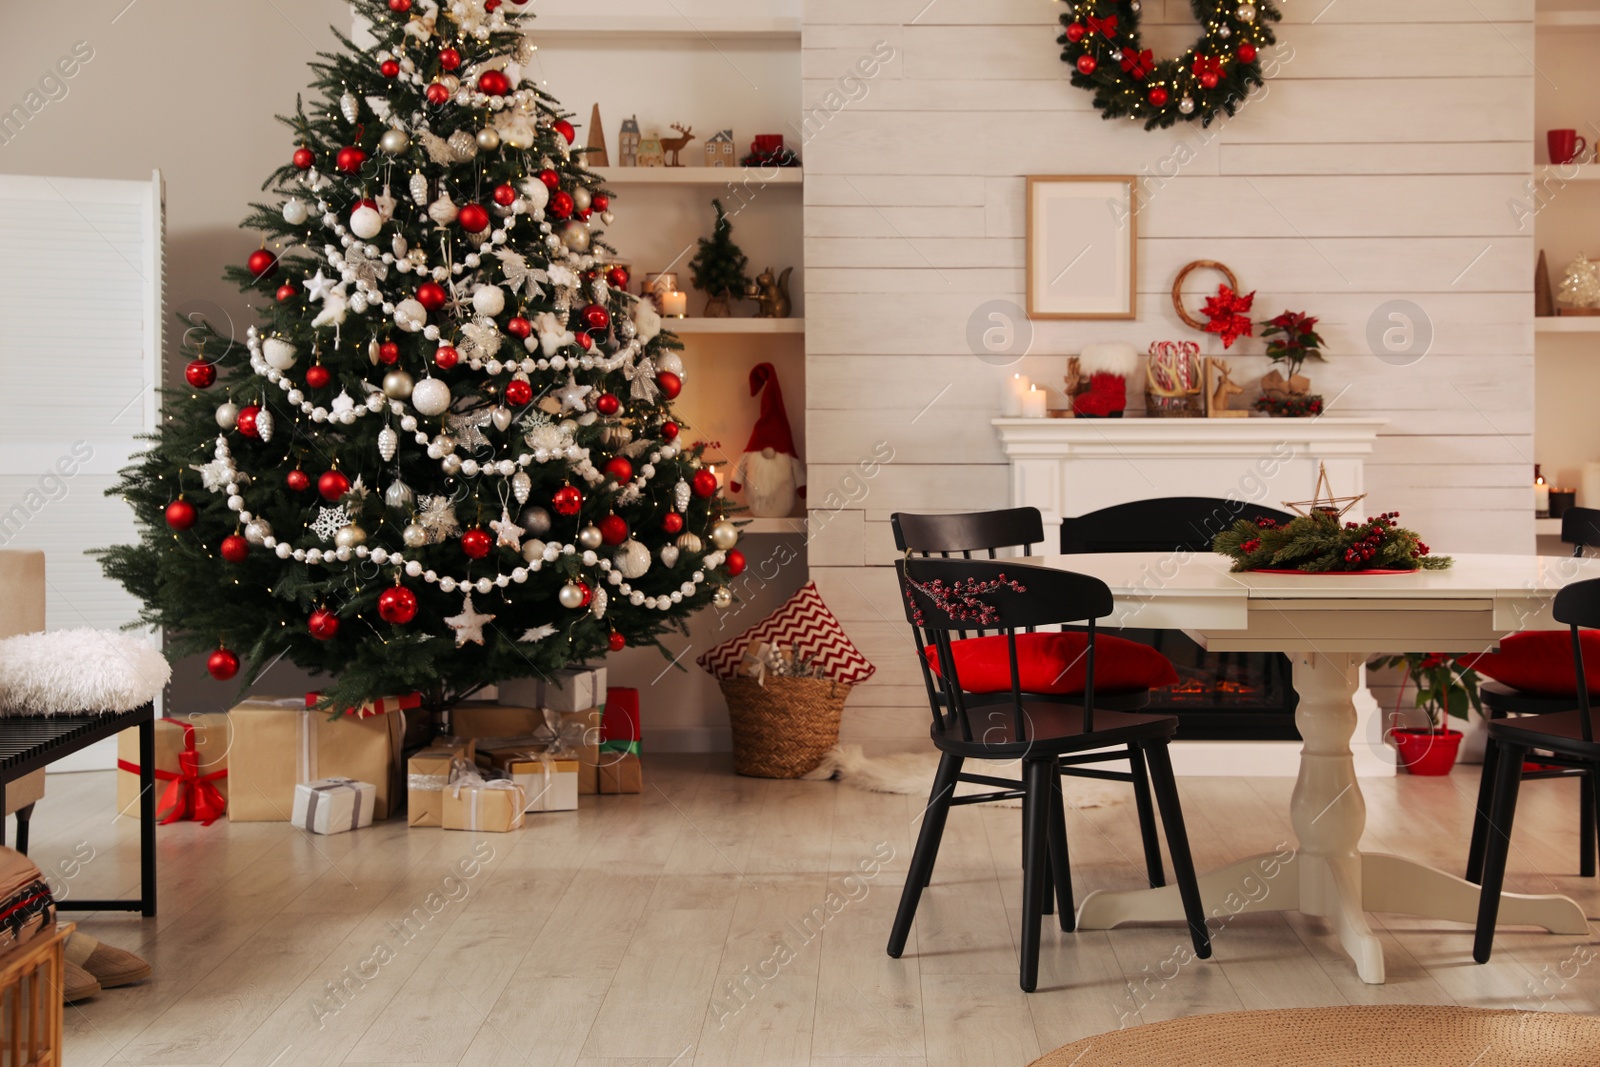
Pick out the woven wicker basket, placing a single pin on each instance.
(783, 729)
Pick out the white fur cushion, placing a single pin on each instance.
(66, 672)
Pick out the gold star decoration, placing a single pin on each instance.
(1322, 501)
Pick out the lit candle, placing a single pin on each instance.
(713, 469)
(1541, 497)
(1033, 403)
(1016, 389)
(674, 304)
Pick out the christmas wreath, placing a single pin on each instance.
(1319, 544)
(1102, 43)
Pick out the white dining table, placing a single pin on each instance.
(1329, 625)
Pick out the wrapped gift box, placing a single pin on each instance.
(569, 689)
(621, 772)
(371, 708)
(277, 744)
(492, 807)
(333, 805)
(619, 730)
(482, 718)
(427, 773)
(581, 732)
(549, 782)
(193, 786)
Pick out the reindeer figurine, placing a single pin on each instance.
(1223, 391)
(772, 294)
(671, 146)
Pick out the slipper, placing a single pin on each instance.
(110, 967)
(79, 984)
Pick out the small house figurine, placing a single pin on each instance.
(596, 156)
(719, 149)
(650, 153)
(628, 142)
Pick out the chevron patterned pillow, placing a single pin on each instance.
(803, 621)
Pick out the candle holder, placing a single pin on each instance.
(1561, 501)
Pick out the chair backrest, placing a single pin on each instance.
(1578, 605)
(944, 598)
(967, 533)
(1580, 527)
(1164, 524)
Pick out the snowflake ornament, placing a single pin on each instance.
(330, 521)
(538, 633)
(438, 517)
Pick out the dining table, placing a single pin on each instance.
(1329, 625)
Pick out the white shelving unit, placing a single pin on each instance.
(797, 526)
(1567, 324)
(567, 28)
(752, 177)
(700, 325)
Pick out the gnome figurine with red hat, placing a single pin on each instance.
(769, 473)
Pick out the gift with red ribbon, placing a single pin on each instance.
(373, 708)
(191, 758)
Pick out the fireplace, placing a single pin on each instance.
(1223, 696)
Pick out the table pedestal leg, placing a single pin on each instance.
(1392, 883)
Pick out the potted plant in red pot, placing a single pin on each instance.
(1445, 689)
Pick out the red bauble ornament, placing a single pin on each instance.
(505, 195)
(564, 128)
(349, 159)
(1076, 32)
(669, 430)
(585, 342)
(1158, 97)
(234, 548)
(494, 83)
(323, 624)
(566, 501)
(297, 480)
(613, 529)
(1247, 53)
(561, 204)
(246, 422)
(491, 6)
(200, 374)
(476, 543)
(620, 468)
(317, 376)
(261, 263)
(588, 594)
(285, 292)
(607, 404)
(616, 642)
(445, 357)
(616, 277)
(735, 563)
(223, 664)
(704, 483)
(431, 295)
(519, 327)
(437, 94)
(519, 392)
(388, 352)
(397, 604)
(400, 7)
(1086, 64)
(449, 58)
(1209, 80)
(671, 385)
(601, 202)
(389, 69)
(473, 218)
(551, 179)
(596, 317)
(672, 522)
(333, 485)
(584, 214)
(180, 515)
(303, 158)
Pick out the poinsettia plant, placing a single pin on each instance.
(1319, 544)
(1292, 339)
(1444, 687)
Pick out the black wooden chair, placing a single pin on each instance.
(1163, 524)
(1568, 735)
(945, 598)
(1580, 527)
(988, 533)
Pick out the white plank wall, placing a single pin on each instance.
(1381, 162)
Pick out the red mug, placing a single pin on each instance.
(1565, 145)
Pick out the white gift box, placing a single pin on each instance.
(551, 784)
(569, 689)
(334, 805)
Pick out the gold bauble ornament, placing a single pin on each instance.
(724, 534)
(689, 542)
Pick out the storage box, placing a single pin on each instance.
(621, 772)
(550, 782)
(492, 807)
(482, 718)
(277, 744)
(569, 689)
(581, 731)
(201, 789)
(333, 805)
(427, 774)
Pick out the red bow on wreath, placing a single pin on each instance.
(1204, 65)
(1138, 64)
(1107, 26)
(1229, 314)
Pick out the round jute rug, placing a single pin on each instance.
(1403, 1035)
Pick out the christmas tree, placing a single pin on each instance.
(719, 267)
(447, 455)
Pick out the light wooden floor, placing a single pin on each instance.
(621, 935)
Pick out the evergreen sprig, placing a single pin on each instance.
(1319, 543)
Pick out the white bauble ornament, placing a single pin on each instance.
(227, 415)
(575, 235)
(689, 542)
(264, 424)
(394, 142)
(365, 222)
(570, 596)
(451, 465)
(1186, 105)
(278, 353)
(632, 559)
(521, 485)
(388, 443)
(398, 497)
(581, 199)
(489, 300)
(397, 385)
(350, 107)
(597, 603)
(590, 537)
(414, 536)
(500, 416)
(418, 187)
(430, 397)
(724, 534)
(533, 551)
(488, 139)
(349, 536)
(608, 217)
(257, 530)
(535, 520)
(669, 556)
(294, 212)
(721, 598)
(1246, 13)
(443, 210)
(410, 315)
(536, 193)
(670, 361)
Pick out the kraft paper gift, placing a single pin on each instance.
(427, 774)
(371, 708)
(191, 768)
(277, 744)
(470, 803)
(550, 782)
(621, 772)
(482, 718)
(333, 805)
(581, 732)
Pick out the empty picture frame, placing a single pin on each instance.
(1082, 246)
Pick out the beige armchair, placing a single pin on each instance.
(22, 594)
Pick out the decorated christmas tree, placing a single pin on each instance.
(446, 456)
(718, 267)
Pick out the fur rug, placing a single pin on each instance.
(66, 672)
(912, 773)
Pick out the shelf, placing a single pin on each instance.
(694, 325)
(750, 176)
(1581, 172)
(657, 28)
(1567, 20)
(1547, 526)
(1567, 324)
(770, 526)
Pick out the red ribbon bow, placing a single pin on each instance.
(1229, 314)
(189, 794)
(1106, 27)
(1137, 63)
(1204, 64)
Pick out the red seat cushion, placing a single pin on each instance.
(1053, 663)
(1540, 662)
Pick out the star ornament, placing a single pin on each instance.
(1229, 315)
(469, 624)
(1322, 501)
(507, 531)
(571, 395)
(318, 285)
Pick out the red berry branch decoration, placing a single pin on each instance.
(963, 601)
